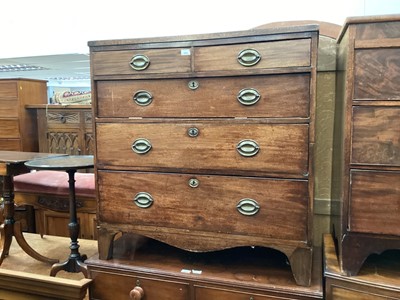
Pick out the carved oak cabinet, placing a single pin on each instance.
(367, 137)
(205, 142)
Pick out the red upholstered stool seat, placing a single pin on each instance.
(54, 183)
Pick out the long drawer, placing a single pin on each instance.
(253, 206)
(186, 59)
(111, 285)
(375, 202)
(9, 128)
(224, 147)
(8, 108)
(281, 96)
(10, 144)
(376, 135)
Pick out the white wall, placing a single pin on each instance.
(44, 27)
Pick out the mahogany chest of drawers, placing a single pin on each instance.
(367, 132)
(205, 142)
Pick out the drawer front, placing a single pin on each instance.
(219, 146)
(8, 90)
(253, 206)
(9, 128)
(62, 117)
(375, 202)
(10, 144)
(377, 74)
(376, 135)
(207, 293)
(176, 60)
(357, 293)
(264, 96)
(277, 54)
(108, 285)
(9, 108)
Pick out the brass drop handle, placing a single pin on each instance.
(247, 148)
(249, 57)
(248, 96)
(248, 207)
(139, 62)
(143, 200)
(136, 293)
(141, 146)
(143, 98)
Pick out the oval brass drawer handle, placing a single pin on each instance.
(141, 146)
(143, 98)
(139, 62)
(249, 57)
(137, 293)
(247, 148)
(143, 200)
(248, 207)
(248, 96)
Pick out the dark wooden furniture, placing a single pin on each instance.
(147, 269)
(11, 164)
(70, 164)
(205, 142)
(63, 129)
(366, 194)
(378, 279)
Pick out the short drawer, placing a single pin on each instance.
(281, 96)
(62, 117)
(254, 206)
(8, 89)
(208, 293)
(376, 135)
(375, 202)
(10, 144)
(224, 147)
(377, 74)
(148, 61)
(108, 285)
(265, 55)
(9, 108)
(9, 128)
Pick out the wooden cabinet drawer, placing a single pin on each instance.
(9, 128)
(10, 144)
(225, 147)
(108, 285)
(8, 89)
(253, 206)
(265, 96)
(376, 135)
(375, 202)
(377, 74)
(276, 54)
(8, 108)
(176, 60)
(208, 293)
(62, 117)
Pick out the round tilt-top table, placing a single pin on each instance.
(70, 164)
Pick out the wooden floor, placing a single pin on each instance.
(49, 246)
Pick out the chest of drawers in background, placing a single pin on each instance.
(367, 137)
(205, 142)
(18, 129)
